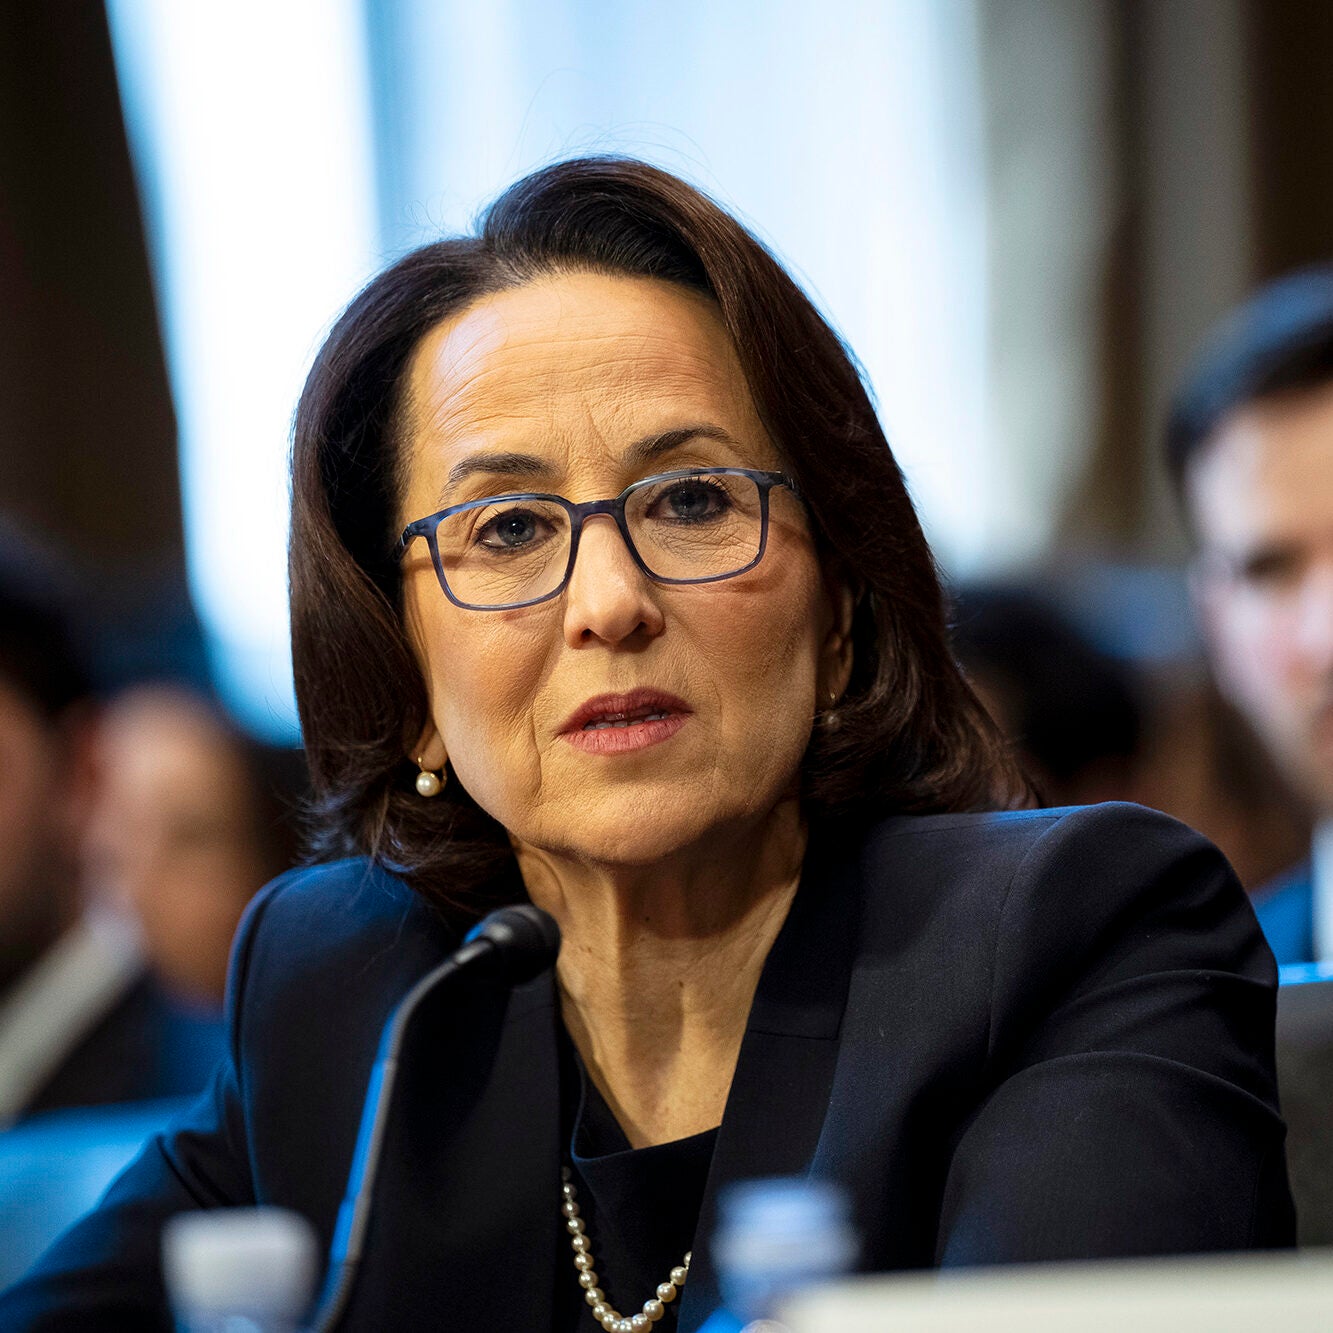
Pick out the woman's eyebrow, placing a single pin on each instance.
(641, 450)
(497, 465)
(653, 446)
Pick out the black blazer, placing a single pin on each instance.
(1012, 1037)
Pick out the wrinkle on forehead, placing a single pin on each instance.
(612, 327)
(574, 368)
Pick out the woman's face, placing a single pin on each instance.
(568, 385)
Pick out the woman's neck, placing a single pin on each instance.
(658, 967)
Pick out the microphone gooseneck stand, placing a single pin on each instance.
(511, 945)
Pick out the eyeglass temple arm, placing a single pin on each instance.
(409, 535)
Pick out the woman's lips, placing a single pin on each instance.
(621, 723)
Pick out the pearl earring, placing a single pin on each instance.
(830, 719)
(428, 783)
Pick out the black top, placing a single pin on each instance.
(1011, 1037)
(640, 1205)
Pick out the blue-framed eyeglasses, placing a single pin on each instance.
(698, 525)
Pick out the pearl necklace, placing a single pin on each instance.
(602, 1310)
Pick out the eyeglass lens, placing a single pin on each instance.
(512, 551)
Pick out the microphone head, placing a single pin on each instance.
(524, 940)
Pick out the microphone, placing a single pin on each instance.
(510, 946)
(513, 945)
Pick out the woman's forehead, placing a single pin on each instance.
(575, 352)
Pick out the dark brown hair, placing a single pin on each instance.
(908, 735)
(1278, 342)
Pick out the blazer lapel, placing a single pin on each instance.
(470, 1166)
(784, 1075)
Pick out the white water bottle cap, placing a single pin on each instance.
(257, 1262)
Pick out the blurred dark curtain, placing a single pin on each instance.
(87, 435)
(1289, 44)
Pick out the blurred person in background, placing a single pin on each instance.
(82, 1021)
(1070, 710)
(1104, 698)
(191, 818)
(1203, 764)
(1250, 448)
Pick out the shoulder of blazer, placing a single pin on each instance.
(340, 934)
(348, 904)
(1004, 918)
(1005, 837)
(1084, 863)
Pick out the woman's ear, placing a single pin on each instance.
(429, 751)
(836, 667)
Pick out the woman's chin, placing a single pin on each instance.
(630, 838)
(646, 826)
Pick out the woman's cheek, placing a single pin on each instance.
(489, 728)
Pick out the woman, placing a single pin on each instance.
(607, 593)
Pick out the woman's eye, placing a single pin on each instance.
(517, 527)
(690, 501)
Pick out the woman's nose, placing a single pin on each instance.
(609, 597)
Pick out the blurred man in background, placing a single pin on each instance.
(82, 1020)
(191, 818)
(1250, 448)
